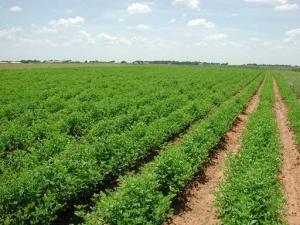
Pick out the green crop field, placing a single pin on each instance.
(293, 80)
(108, 144)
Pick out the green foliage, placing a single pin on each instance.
(143, 193)
(83, 126)
(14, 138)
(292, 101)
(168, 174)
(292, 79)
(251, 193)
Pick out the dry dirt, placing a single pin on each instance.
(290, 173)
(199, 206)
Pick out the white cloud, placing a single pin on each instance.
(279, 5)
(232, 44)
(255, 39)
(171, 21)
(21, 42)
(216, 37)
(143, 27)
(287, 7)
(157, 43)
(15, 9)
(255, 42)
(133, 41)
(44, 29)
(85, 37)
(218, 40)
(139, 8)
(113, 40)
(287, 40)
(191, 4)
(293, 33)
(9, 34)
(67, 23)
(201, 22)
(270, 2)
(202, 44)
(81, 38)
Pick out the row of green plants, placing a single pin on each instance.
(292, 78)
(41, 151)
(76, 118)
(292, 102)
(251, 192)
(32, 90)
(146, 197)
(40, 140)
(36, 124)
(104, 129)
(36, 195)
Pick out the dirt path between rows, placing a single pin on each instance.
(290, 173)
(199, 206)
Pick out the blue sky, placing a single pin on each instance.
(234, 31)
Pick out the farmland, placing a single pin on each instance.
(293, 80)
(108, 144)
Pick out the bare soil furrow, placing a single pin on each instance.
(198, 208)
(290, 173)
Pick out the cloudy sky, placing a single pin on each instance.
(234, 31)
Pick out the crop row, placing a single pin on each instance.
(145, 198)
(36, 124)
(30, 130)
(36, 195)
(251, 192)
(50, 91)
(54, 142)
(293, 105)
(104, 129)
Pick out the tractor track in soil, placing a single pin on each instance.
(290, 173)
(196, 205)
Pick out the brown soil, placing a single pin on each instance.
(199, 206)
(290, 174)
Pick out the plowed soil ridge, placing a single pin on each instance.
(199, 206)
(290, 173)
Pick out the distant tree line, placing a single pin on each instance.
(143, 62)
(269, 65)
(54, 61)
(48, 61)
(179, 62)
